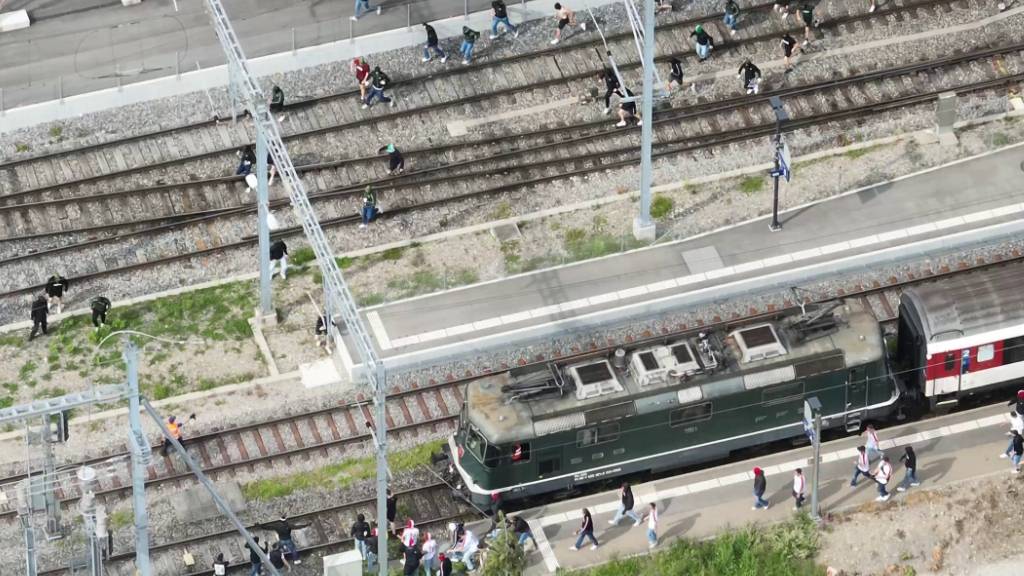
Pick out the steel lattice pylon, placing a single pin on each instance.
(338, 298)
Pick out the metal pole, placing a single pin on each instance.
(382, 470)
(177, 65)
(465, 9)
(60, 88)
(232, 90)
(644, 227)
(815, 513)
(30, 545)
(223, 506)
(351, 30)
(775, 226)
(140, 460)
(3, 112)
(408, 16)
(293, 41)
(263, 228)
(53, 527)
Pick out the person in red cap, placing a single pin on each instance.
(446, 565)
(760, 485)
(1018, 402)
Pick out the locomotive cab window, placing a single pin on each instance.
(597, 435)
(986, 352)
(520, 452)
(690, 414)
(488, 455)
(950, 361)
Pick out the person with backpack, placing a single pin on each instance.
(627, 110)
(100, 305)
(369, 210)
(255, 562)
(501, 17)
(220, 565)
(675, 73)
(283, 527)
(277, 557)
(432, 45)
(882, 476)
(704, 42)
(469, 37)
(760, 487)
(396, 162)
(379, 82)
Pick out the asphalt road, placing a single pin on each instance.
(79, 46)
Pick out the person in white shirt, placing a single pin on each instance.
(863, 466)
(411, 534)
(882, 475)
(652, 525)
(1016, 423)
(468, 547)
(798, 488)
(429, 554)
(871, 442)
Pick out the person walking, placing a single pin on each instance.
(469, 38)
(807, 17)
(862, 465)
(361, 70)
(909, 460)
(626, 504)
(246, 160)
(790, 48)
(432, 45)
(782, 7)
(56, 286)
(586, 530)
(379, 82)
(429, 558)
(873, 7)
(174, 427)
(284, 529)
(751, 76)
(675, 73)
(1018, 403)
(396, 162)
(651, 517)
(1016, 424)
(255, 562)
(521, 528)
(277, 557)
(565, 17)
(360, 532)
(444, 565)
(411, 556)
(38, 313)
(279, 258)
(369, 209)
(732, 16)
(363, 6)
(611, 86)
(220, 565)
(627, 110)
(1017, 443)
(760, 486)
(99, 305)
(501, 17)
(799, 483)
(704, 42)
(391, 509)
(277, 99)
(882, 476)
(871, 442)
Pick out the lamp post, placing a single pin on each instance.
(782, 163)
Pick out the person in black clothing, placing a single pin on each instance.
(522, 528)
(760, 485)
(675, 73)
(626, 503)
(501, 17)
(360, 531)
(1018, 402)
(627, 109)
(432, 44)
(396, 163)
(279, 256)
(611, 86)
(277, 559)
(705, 43)
(55, 288)
(379, 82)
(277, 99)
(392, 510)
(284, 529)
(469, 38)
(751, 76)
(220, 565)
(323, 340)
(40, 309)
(446, 565)
(1017, 444)
(247, 160)
(412, 556)
(790, 48)
(807, 16)
(254, 558)
(909, 460)
(100, 305)
(586, 530)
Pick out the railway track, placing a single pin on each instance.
(517, 162)
(335, 432)
(431, 506)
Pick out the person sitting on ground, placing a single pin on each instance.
(369, 209)
(277, 99)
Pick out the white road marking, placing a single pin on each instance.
(543, 545)
(377, 326)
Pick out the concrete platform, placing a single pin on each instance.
(974, 200)
(949, 449)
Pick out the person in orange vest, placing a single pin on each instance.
(174, 427)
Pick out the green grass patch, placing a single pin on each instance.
(463, 277)
(1000, 139)
(11, 341)
(783, 550)
(371, 299)
(502, 211)
(56, 132)
(419, 282)
(21, 147)
(583, 246)
(302, 256)
(6, 402)
(339, 475)
(27, 369)
(661, 206)
(11, 387)
(120, 519)
(393, 254)
(752, 185)
(860, 152)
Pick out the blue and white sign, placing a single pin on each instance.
(785, 161)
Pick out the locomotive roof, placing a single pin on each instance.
(504, 420)
(968, 310)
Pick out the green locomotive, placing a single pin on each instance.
(666, 404)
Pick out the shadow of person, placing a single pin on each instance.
(680, 527)
(935, 469)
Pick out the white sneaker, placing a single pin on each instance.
(1016, 470)
(607, 110)
(651, 545)
(555, 41)
(583, 26)
(901, 489)
(639, 122)
(1003, 455)
(806, 43)
(392, 103)
(732, 32)
(593, 547)
(753, 508)
(573, 548)
(515, 34)
(354, 18)
(915, 483)
(444, 59)
(361, 225)
(365, 106)
(464, 61)
(621, 124)
(425, 60)
(872, 9)
(612, 522)
(297, 562)
(493, 36)
(379, 8)
(637, 523)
